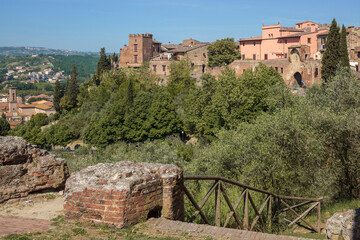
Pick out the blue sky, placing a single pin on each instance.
(88, 25)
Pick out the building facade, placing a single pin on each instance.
(141, 48)
(275, 41)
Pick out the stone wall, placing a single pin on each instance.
(124, 193)
(344, 225)
(25, 169)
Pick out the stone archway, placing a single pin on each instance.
(298, 79)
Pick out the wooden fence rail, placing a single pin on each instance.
(263, 215)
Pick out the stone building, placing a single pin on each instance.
(276, 40)
(196, 54)
(141, 49)
(18, 112)
(296, 70)
(353, 44)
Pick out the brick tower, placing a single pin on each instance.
(12, 100)
(140, 50)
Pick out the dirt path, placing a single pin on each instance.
(39, 206)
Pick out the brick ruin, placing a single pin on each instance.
(124, 193)
(26, 169)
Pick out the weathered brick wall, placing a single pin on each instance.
(144, 50)
(25, 169)
(198, 57)
(124, 193)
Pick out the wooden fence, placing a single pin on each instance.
(263, 215)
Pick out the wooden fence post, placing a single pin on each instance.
(269, 213)
(218, 205)
(318, 217)
(246, 210)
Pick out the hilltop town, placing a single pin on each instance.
(295, 52)
(276, 115)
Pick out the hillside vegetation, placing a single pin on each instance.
(250, 129)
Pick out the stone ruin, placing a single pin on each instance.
(26, 169)
(124, 193)
(344, 225)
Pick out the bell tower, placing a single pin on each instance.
(12, 100)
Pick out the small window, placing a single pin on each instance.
(285, 55)
(154, 68)
(276, 68)
(316, 72)
(309, 40)
(204, 55)
(254, 56)
(135, 48)
(164, 68)
(254, 43)
(285, 41)
(265, 56)
(135, 59)
(243, 44)
(243, 57)
(282, 70)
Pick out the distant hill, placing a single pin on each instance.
(23, 51)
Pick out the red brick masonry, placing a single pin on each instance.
(124, 193)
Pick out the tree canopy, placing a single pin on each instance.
(222, 52)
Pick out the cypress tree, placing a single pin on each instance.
(102, 66)
(344, 55)
(72, 87)
(58, 94)
(4, 125)
(331, 56)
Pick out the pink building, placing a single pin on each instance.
(275, 41)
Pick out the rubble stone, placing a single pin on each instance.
(344, 225)
(25, 169)
(124, 193)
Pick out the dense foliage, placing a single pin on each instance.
(222, 52)
(248, 128)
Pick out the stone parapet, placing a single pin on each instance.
(124, 193)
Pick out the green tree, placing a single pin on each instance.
(331, 56)
(4, 125)
(58, 94)
(40, 119)
(129, 95)
(102, 66)
(72, 88)
(180, 76)
(222, 52)
(344, 55)
(229, 101)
